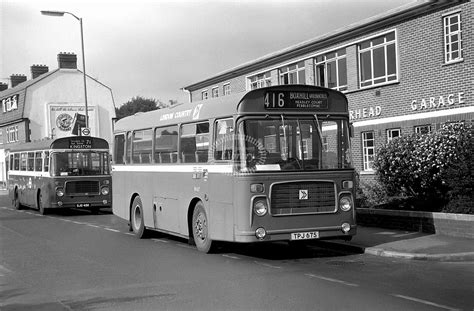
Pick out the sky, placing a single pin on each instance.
(155, 48)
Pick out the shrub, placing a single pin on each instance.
(432, 169)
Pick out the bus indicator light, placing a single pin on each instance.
(260, 233)
(257, 188)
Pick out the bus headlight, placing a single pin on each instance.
(345, 204)
(59, 192)
(104, 190)
(260, 207)
(260, 233)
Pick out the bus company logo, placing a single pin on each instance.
(303, 194)
(244, 164)
(64, 122)
(197, 111)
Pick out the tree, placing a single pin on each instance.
(137, 104)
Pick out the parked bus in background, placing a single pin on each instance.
(68, 172)
(271, 165)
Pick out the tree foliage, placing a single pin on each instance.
(140, 104)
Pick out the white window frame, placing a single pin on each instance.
(292, 74)
(418, 128)
(387, 77)
(368, 152)
(261, 80)
(204, 95)
(448, 34)
(215, 92)
(390, 133)
(226, 89)
(336, 59)
(12, 134)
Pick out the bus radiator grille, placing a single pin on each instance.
(82, 187)
(303, 198)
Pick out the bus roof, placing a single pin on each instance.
(251, 102)
(71, 142)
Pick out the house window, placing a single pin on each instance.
(452, 38)
(423, 129)
(215, 92)
(331, 70)
(293, 74)
(12, 134)
(393, 133)
(261, 80)
(378, 60)
(204, 94)
(368, 150)
(226, 89)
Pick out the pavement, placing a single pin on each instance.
(402, 244)
(408, 245)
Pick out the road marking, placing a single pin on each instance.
(426, 302)
(184, 245)
(128, 233)
(231, 257)
(110, 229)
(331, 280)
(400, 235)
(93, 226)
(267, 265)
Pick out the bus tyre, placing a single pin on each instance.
(136, 218)
(39, 203)
(16, 201)
(200, 228)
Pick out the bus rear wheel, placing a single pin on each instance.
(200, 228)
(16, 201)
(137, 220)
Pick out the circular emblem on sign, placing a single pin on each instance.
(64, 122)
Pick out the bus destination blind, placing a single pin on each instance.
(296, 100)
(80, 143)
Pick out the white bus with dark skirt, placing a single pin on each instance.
(273, 164)
(67, 172)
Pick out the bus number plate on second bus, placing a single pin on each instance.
(305, 235)
(79, 205)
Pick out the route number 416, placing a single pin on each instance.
(274, 100)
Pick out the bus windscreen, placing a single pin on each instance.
(80, 163)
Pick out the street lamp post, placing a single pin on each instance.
(61, 13)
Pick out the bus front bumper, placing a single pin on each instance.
(320, 233)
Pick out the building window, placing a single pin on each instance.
(261, 80)
(393, 133)
(1, 137)
(331, 70)
(378, 60)
(215, 92)
(423, 129)
(293, 74)
(204, 94)
(368, 150)
(226, 89)
(12, 134)
(452, 38)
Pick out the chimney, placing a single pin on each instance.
(67, 60)
(38, 70)
(3, 86)
(17, 79)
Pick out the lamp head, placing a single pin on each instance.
(53, 13)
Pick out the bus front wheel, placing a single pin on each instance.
(40, 204)
(200, 228)
(136, 218)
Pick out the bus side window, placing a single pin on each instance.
(46, 161)
(38, 161)
(194, 143)
(119, 154)
(166, 145)
(223, 139)
(23, 160)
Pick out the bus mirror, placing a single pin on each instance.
(351, 130)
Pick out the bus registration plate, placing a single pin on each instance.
(305, 235)
(83, 205)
